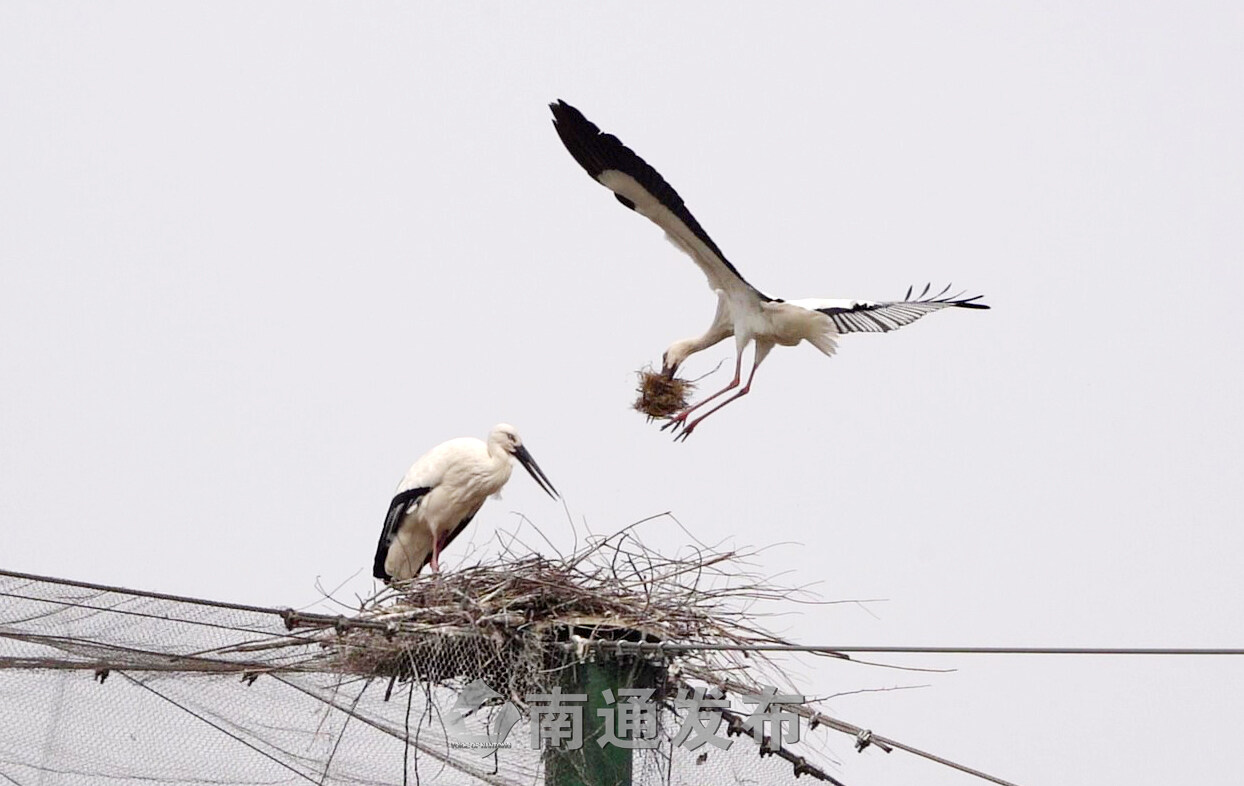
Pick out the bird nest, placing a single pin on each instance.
(524, 624)
(661, 396)
(516, 620)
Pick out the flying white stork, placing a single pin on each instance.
(743, 311)
(439, 496)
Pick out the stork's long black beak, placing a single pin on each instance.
(669, 371)
(534, 470)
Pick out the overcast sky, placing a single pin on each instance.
(257, 258)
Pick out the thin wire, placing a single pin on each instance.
(738, 728)
(1045, 650)
(219, 728)
(291, 617)
(186, 661)
(10, 779)
(886, 742)
(410, 697)
(144, 593)
(342, 735)
(444, 758)
(162, 617)
(658, 647)
(865, 737)
(942, 761)
(312, 619)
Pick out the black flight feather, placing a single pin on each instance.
(402, 504)
(884, 317)
(598, 152)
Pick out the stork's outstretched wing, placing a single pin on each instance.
(641, 188)
(866, 316)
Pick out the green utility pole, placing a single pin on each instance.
(592, 764)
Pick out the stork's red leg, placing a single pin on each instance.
(681, 417)
(436, 553)
(686, 432)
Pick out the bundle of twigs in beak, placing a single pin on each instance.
(661, 395)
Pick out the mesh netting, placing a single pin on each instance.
(108, 686)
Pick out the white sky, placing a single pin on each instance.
(258, 257)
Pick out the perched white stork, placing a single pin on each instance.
(743, 311)
(439, 496)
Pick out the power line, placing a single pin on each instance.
(294, 619)
(865, 737)
(842, 651)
